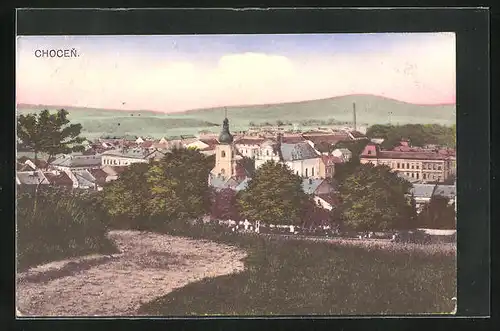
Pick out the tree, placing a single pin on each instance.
(49, 133)
(224, 205)
(374, 198)
(438, 214)
(274, 195)
(356, 147)
(126, 198)
(313, 214)
(324, 147)
(179, 185)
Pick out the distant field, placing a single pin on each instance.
(370, 110)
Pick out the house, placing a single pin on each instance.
(58, 178)
(31, 180)
(125, 157)
(300, 157)
(316, 186)
(113, 172)
(356, 135)
(422, 165)
(330, 139)
(101, 177)
(423, 193)
(139, 141)
(83, 179)
(327, 165)
(327, 201)
(248, 146)
(343, 153)
(77, 161)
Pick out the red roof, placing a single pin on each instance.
(330, 139)
(211, 142)
(357, 134)
(147, 144)
(99, 174)
(61, 179)
(292, 140)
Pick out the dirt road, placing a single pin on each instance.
(149, 266)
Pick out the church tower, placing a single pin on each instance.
(225, 159)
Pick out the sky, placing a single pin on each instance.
(176, 73)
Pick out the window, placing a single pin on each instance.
(399, 165)
(439, 167)
(412, 175)
(222, 171)
(413, 166)
(312, 172)
(369, 152)
(223, 154)
(267, 152)
(417, 175)
(306, 172)
(424, 176)
(418, 166)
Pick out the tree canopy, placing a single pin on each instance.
(374, 198)
(418, 134)
(274, 195)
(179, 185)
(438, 214)
(49, 133)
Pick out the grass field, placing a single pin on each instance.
(370, 110)
(289, 277)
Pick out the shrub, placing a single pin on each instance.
(56, 224)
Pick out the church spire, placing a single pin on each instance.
(225, 136)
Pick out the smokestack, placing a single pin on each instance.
(354, 115)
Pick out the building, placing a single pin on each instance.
(76, 161)
(301, 158)
(127, 157)
(343, 153)
(249, 146)
(317, 186)
(228, 165)
(59, 179)
(422, 193)
(327, 166)
(31, 180)
(419, 164)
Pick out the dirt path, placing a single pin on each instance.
(149, 266)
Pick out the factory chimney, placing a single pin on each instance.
(354, 115)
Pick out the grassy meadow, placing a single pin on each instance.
(294, 277)
(370, 110)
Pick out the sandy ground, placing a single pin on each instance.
(149, 266)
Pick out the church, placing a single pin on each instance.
(229, 170)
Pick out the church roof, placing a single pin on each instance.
(225, 136)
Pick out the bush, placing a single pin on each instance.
(56, 224)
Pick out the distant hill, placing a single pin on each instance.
(369, 110)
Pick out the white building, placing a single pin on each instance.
(127, 157)
(300, 157)
(77, 162)
(248, 147)
(342, 153)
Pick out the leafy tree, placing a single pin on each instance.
(313, 214)
(274, 195)
(179, 185)
(249, 164)
(126, 198)
(355, 146)
(224, 205)
(49, 133)
(324, 147)
(438, 214)
(374, 198)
